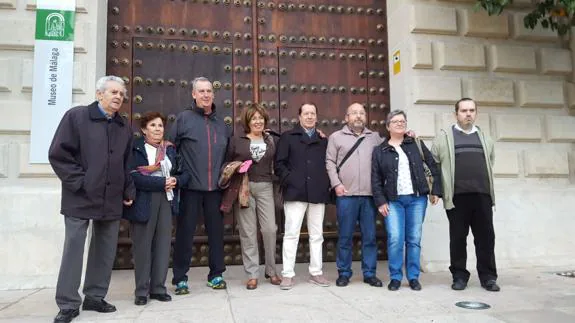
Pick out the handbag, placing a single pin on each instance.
(426, 170)
(332, 195)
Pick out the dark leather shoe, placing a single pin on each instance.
(342, 281)
(274, 280)
(414, 284)
(141, 300)
(100, 306)
(66, 316)
(252, 284)
(373, 281)
(161, 297)
(394, 285)
(459, 284)
(491, 286)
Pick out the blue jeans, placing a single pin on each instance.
(350, 210)
(403, 224)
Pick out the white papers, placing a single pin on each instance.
(166, 166)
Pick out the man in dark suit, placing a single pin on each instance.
(89, 153)
(300, 166)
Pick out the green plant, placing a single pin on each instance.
(557, 15)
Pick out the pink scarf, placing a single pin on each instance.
(160, 155)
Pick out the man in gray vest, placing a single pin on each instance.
(466, 157)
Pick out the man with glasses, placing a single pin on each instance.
(351, 180)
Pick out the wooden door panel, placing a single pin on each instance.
(344, 61)
(164, 70)
(330, 80)
(332, 55)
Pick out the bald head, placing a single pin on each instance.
(355, 107)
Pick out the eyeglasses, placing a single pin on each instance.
(398, 122)
(355, 113)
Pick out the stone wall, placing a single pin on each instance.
(31, 228)
(519, 78)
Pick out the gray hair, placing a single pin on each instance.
(199, 79)
(101, 83)
(394, 113)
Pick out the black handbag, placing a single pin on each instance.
(426, 170)
(332, 195)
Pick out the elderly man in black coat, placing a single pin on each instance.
(300, 166)
(89, 153)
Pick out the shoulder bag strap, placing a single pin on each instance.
(345, 158)
(418, 143)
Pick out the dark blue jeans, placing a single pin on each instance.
(404, 223)
(350, 210)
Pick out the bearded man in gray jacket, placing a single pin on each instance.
(352, 184)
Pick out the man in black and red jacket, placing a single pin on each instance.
(201, 138)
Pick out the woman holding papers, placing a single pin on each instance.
(157, 176)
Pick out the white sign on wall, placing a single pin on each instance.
(53, 72)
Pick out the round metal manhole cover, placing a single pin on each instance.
(570, 274)
(473, 305)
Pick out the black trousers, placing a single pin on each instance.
(192, 204)
(475, 211)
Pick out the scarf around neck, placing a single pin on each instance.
(160, 155)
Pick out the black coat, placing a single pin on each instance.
(300, 166)
(201, 141)
(140, 211)
(384, 172)
(90, 155)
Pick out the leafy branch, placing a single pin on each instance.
(557, 15)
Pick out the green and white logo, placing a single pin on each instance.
(55, 25)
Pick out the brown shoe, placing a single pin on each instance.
(274, 280)
(252, 284)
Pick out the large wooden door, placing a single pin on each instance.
(278, 53)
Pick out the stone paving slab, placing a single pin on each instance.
(528, 295)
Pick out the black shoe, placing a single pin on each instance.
(414, 284)
(161, 297)
(491, 286)
(66, 316)
(459, 284)
(394, 285)
(373, 281)
(100, 306)
(141, 300)
(342, 281)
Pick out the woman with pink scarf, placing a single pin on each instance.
(157, 177)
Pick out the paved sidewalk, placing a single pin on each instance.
(527, 295)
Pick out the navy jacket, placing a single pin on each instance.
(385, 160)
(300, 166)
(201, 141)
(145, 185)
(90, 154)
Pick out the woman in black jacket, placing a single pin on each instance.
(156, 175)
(400, 190)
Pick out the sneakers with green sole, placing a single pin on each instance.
(182, 288)
(217, 283)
